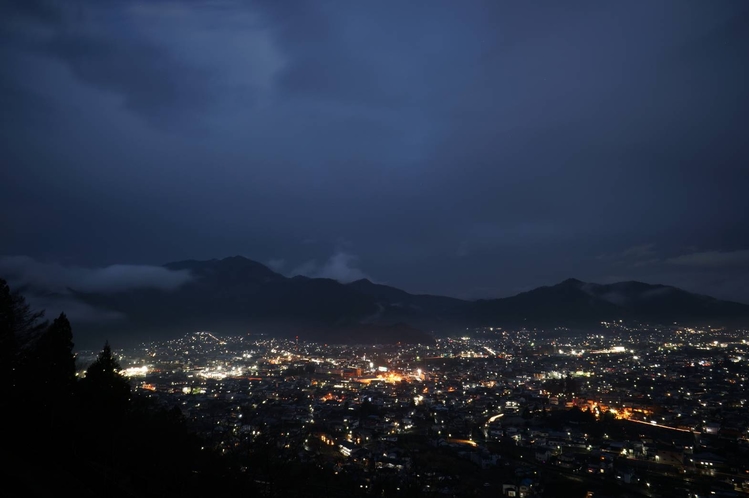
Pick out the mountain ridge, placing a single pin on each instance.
(237, 294)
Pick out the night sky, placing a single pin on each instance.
(471, 149)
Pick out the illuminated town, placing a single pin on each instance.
(629, 410)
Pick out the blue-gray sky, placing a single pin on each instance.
(472, 149)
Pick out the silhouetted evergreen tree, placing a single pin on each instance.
(46, 383)
(54, 361)
(104, 389)
(110, 434)
(17, 319)
(20, 325)
(7, 336)
(20, 328)
(104, 396)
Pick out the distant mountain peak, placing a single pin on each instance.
(572, 281)
(235, 268)
(235, 293)
(362, 281)
(237, 258)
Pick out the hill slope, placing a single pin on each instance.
(576, 303)
(236, 295)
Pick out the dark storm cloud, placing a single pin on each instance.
(46, 11)
(473, 149)
(147, 78)
(103, 49)
(338, 55)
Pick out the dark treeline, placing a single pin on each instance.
(92, 436)
(89, 436)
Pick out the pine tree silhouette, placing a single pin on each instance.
(104, 389)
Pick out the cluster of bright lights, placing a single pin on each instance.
(135, 371)
(391, 377)
(220, 373)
